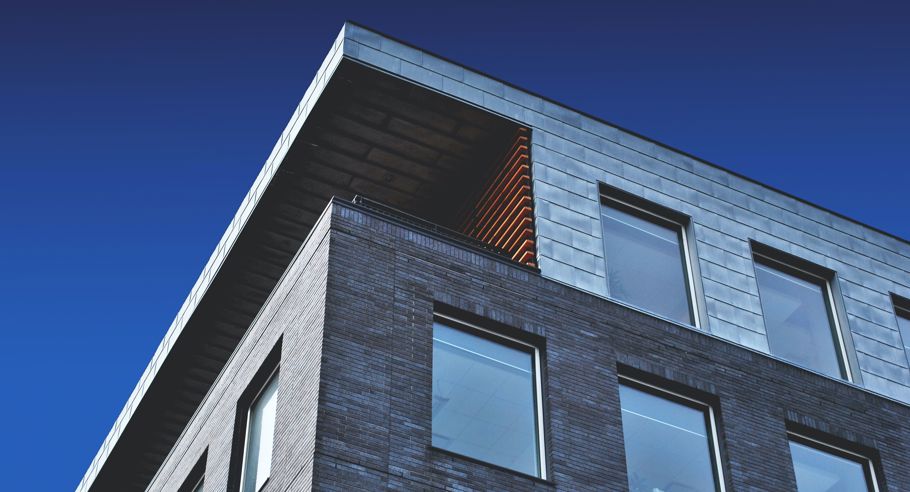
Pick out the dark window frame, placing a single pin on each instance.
(901, 307)
(665, 217)
(707, 409)
(826, 279)
(868, 463)
(196, 476)
(536, 351)
(264, 375)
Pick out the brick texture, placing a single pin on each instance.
(294, 315)
(374, 426)
(354, 314)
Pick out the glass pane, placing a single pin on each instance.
(260, 436)
(667, 444)
(645, 266)
(903, 323)
(818, 471)
(199, 486)
(483, 400)
(797, 320)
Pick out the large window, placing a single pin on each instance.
(486, 402)
(647, 259)
(822, 468)
(260, 434)
(902, 310)
(800, 321)
(669, 440)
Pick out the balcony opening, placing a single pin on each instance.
(410, 149)
(500, 212)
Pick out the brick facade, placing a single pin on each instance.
(382, 283)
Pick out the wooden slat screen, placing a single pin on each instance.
(502, 215)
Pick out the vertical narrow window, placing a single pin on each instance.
(646, 256)
(902, 310)
(822, 468)
(486, 397)
(260, 434)
(669, 441)
(800, 320)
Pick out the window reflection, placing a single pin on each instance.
(820, 471)
(484, 400)
(798, 320)
(668, 445)
(645, 264)
(257, 464)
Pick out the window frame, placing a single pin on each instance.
(196, 477)
(675, 397)
(269, 366)
(867, 463)
(662, 216)
(508, 341)
(199, 485)
(249, 410)
(803, 270)
(901, 306)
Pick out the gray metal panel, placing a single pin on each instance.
(572, 152)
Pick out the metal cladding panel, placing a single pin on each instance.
(572, 153)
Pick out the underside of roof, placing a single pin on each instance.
(369, 134)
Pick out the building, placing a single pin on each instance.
(441, 281)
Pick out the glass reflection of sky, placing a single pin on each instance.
(483, 400)
(797, 320)
(644, 265)
(667, 444)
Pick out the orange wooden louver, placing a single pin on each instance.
(503, 215)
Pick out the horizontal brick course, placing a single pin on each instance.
(382, 293)
(355, 313)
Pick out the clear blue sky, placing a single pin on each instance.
(129, 135)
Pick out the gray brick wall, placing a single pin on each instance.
(374, 429)
(355, 312)
(572, 152)
(293, 314)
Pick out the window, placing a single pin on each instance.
(800, 321)
(669, 440)
(260, 434)
(646, 255)
(902, 310)
(822, 468)
(486, 402)
(195, 480)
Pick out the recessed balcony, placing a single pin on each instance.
(404, 150)
(414, 150)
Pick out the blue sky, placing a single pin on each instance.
(129, 133)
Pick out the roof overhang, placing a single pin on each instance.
(359, 130)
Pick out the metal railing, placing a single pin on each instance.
(434, 228)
